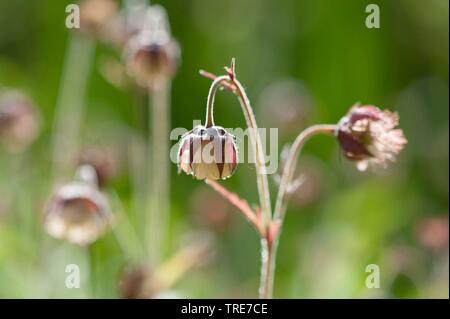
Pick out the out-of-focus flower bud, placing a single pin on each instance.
(96, 16)
(368, 136)
(208, 153)
(141, 282)
(78, 212)
(102, 160)
(136, 282)
(432, 233)
(152, 54)
(19, 121)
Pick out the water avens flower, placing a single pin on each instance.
(152, 54)
(78, 212)
(207, 153)
(19, 121)
(368, 136)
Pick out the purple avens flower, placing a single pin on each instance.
(78, 212)
(207, 153)
(369, 136)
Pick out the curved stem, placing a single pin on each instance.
(261, 174)
(255, 138)
(217, 83)
(289, 168)
(280, 205)
(266, 283)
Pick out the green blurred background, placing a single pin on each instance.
(309, 59)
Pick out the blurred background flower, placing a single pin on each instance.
(19, 120)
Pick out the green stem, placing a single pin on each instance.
(159, 173)
(265, 290)
(267, 263)
(291, 160)
(280, 205)
(69, 107)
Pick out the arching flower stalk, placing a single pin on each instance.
(366, 135)
(151, 59)
(262, 221)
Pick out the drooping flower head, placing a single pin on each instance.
(368, 136)
(78, 212)
(152, 54)
(207, 153)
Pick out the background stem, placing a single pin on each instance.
(69, 107)
(159, 174)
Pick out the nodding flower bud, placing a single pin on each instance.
(368, 136)
(78, 212)
(152, 54)
(207, 153)
(19, 121)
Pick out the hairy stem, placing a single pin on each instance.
(229, 81)
(217, 83)
(289, 167)
(159, 174)
(69, 106)
(239, 203)
(261, 174)
(267, 263)
(280, 205)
